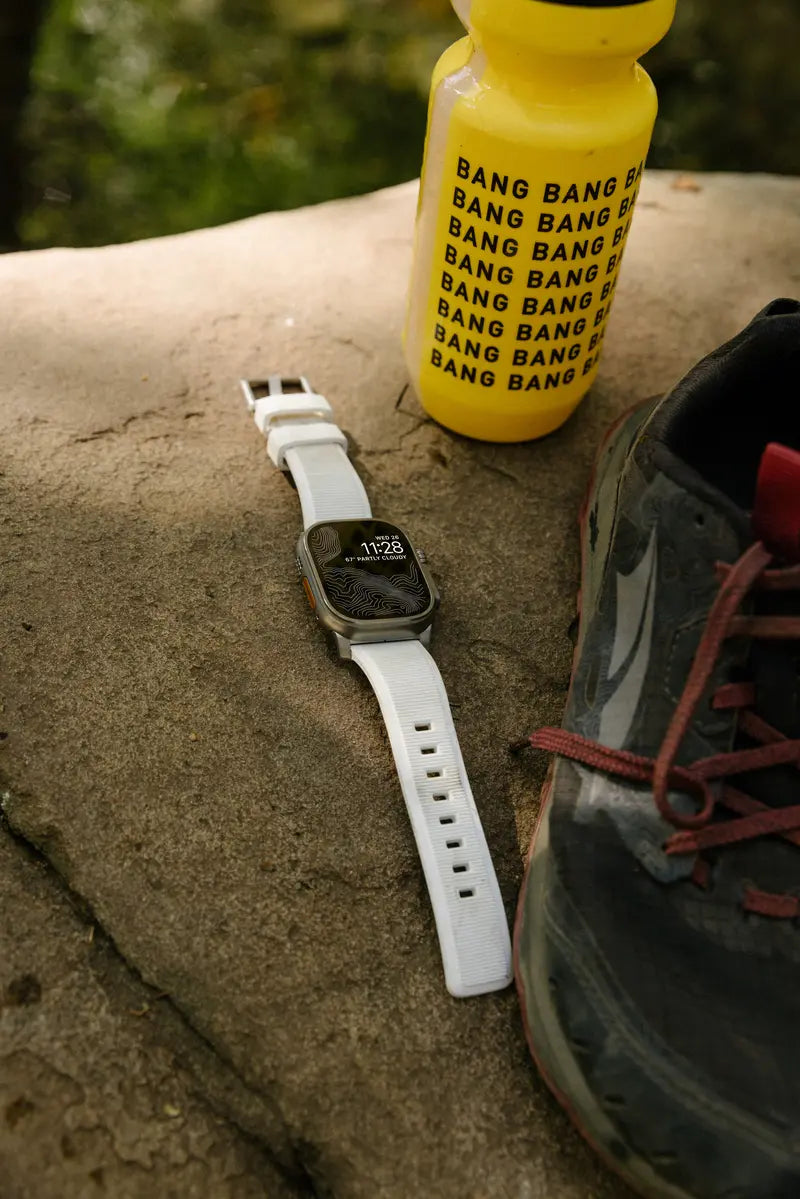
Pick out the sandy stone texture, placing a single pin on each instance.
(101, 1083)
(185, 751)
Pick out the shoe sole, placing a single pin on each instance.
(548, 1045)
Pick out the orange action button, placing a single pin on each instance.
(309, 593)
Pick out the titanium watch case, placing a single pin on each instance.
(350, 630)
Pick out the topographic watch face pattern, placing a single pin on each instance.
(368, 570)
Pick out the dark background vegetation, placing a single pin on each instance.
(130, 118)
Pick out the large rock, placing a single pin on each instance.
(181, 745)
(98, 1076)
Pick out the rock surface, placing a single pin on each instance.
(192, 761)
(99, 1078)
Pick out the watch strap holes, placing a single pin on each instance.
(429, 749)
(454, 844)
(461, 868)
(466, 892)
(446, 819)
(423, 727)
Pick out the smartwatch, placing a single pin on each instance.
(372, 592)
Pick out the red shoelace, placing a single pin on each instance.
(697, 830)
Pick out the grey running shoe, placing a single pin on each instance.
(657, 944)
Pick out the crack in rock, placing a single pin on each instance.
(221, 1086)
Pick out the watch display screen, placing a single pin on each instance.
(368, 570)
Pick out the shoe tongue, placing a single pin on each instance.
(776, 512)
(775, 665)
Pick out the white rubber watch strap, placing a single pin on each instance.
(467, 905)
(302, 438)
(327, 484)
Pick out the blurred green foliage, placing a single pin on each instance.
(156, 116)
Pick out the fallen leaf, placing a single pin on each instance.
(685, 183)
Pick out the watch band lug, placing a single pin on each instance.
(342, 647)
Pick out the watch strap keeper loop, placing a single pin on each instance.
(268, 410)
(283, 437)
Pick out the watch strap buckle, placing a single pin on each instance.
(274, 385)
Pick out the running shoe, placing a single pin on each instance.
(657, 944)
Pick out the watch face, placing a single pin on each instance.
(368, 570)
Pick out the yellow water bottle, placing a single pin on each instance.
(538, 128)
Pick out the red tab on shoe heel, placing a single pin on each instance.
(776, 515)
